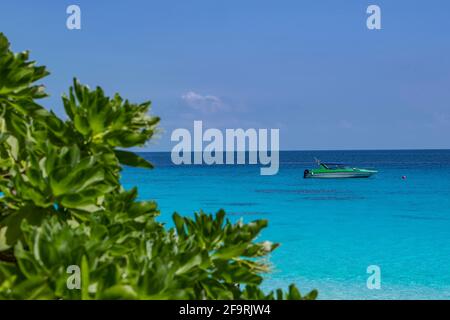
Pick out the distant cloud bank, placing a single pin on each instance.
(204, 103)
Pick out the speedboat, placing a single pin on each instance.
(337, 170)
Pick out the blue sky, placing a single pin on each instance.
(310, 68)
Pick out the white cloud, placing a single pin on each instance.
(207, 103)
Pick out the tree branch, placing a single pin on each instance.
(7, 256)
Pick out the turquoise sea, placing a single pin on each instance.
(330, 230)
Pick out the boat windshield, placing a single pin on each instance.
(334, 166)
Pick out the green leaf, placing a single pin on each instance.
(179, 224)
(13, 222)
(312, 295)
(192, 263)
(122, 292)
(131, 159)
(294, 294)
(226, 253)
(85, 279)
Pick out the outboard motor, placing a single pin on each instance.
(306, 173)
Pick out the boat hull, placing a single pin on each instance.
(339, 174)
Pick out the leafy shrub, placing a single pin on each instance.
(62, 205)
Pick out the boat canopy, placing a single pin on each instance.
(333, 165)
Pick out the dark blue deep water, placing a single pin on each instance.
(330, 230)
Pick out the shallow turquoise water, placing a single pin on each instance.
(330, 230)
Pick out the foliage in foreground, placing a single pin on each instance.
(62, 205)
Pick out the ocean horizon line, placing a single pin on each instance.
(317, 150)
